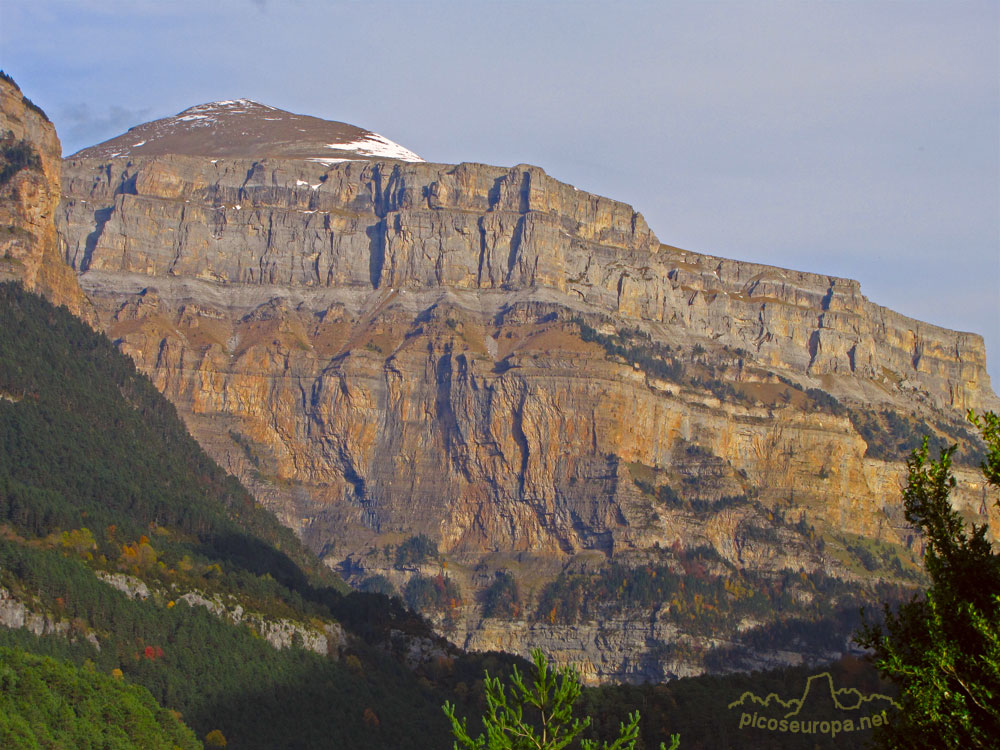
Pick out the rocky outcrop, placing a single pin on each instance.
(132, 587)
(30, 250)
(384, 225)
(625, 649)
(280, 632)
(517, 369)
(15, 614)
(327, 640)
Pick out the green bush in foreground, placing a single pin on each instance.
(944, 650)
(45, 703)
(549, 700)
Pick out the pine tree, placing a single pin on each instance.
(551, 695)
(943, 650)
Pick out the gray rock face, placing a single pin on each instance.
(625, 649)
(15, 614)
(132, 587)
(380, 349)
(279, 632)
(377, 225)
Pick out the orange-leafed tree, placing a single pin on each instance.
(215, 739)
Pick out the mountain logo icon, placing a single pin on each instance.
(822, 709)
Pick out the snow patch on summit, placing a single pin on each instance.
(378, 146)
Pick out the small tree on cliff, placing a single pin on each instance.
(551, 695)
(944, 650)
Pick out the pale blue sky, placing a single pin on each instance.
(860, 139)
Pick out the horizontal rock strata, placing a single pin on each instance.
(508, 365)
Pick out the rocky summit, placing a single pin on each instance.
(508, 401)
(241, 128)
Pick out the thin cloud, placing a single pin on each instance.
(81, 126)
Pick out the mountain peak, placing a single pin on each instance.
(237, 106)
(244, 128)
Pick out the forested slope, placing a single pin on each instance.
(48, 703)
(99, 476)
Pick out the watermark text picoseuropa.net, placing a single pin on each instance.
(833, 727)
(821, 710)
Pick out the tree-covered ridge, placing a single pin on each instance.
(86, 440)
(217, 675)
(97, 473)
(46, 703)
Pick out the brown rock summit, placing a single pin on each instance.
(523, 373)
(241, 128)
(31, 160)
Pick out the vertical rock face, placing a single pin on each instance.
(31, 160)
(377, 225)
(523, 373)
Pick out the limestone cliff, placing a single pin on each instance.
(522, 372)
(31, 160)
(379, 225)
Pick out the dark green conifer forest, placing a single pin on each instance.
(49, 703)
